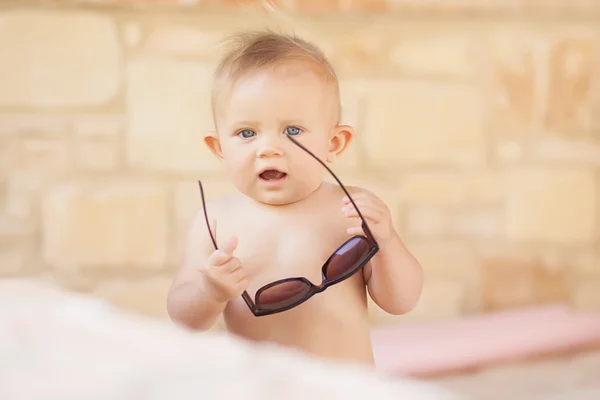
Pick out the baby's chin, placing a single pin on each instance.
(280, 198)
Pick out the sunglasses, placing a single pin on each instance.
(284, 294)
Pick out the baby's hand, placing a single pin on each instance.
(225, 278)
(374, 210)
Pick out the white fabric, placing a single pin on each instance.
(58, 345)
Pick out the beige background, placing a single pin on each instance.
(479, 126)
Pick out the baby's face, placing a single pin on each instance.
(252, 125)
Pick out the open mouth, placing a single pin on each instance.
(272, 175)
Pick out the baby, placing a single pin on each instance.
(289, 258)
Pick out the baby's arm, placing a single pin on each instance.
(206, 280)
(394, 277)
(188, 302)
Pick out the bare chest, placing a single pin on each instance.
(277, 246)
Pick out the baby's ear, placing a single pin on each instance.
(340, 138)
(211, 139)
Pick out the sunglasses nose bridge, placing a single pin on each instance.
(321, 287)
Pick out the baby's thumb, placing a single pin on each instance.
(230, 245)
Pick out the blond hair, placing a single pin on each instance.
(252, 51)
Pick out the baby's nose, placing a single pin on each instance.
(269, 151)
(270, 147)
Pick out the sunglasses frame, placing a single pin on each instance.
(254, 305)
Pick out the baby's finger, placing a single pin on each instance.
(355, 230)
(368, 212)
(230, 245)
(242, 283)
(367, 202)
(232, 265)
(238, 275)
(218, 258)
(224, 254)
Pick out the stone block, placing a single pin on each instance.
(478, 222)
(24, 189)
(35, 123)
(361, 50)
(351, 97)
(511, 282)
(573, 76)
(169, 113)
(447, 258)
(18, 252)
(13, 229)
(96, 155)
(488, 186)
(574, 151)
(541, 81)
(132, 34)
(13, 260)
(101, 125)
(102, 224)
(440, 299)
(312, 6)
(401, 128)
(437, 222)
(510, 151)
(585, 262)
(586, 296)
(438, 50)
(186, 40)
(42, 155)
(426, 221)
(60, 69)
(552, 205)
(511, 76)
(27, 168)
(445, 187)
(20, 198)
(146, 296)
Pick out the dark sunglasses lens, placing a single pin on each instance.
(282, 294)
(347, 257)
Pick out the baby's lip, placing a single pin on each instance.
(271, 169)
(272, 175)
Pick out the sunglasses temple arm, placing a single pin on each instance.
(365, 227)
(248, 300)
(245, 294)
(212, 237)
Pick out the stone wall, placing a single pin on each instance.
(478, 123)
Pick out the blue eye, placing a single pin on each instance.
(247, 133)
(292, 130)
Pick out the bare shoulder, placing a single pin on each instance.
(214, 210)
(202, 230)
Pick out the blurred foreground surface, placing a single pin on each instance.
(55, 345)
(575, 377)
(75, 346)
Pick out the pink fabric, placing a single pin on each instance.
(476, 341)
